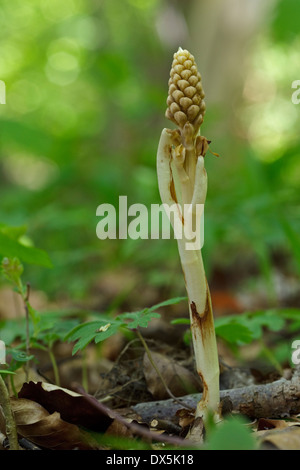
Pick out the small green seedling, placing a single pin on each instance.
(105, 326)
(35, 331)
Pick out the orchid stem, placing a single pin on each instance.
(182, 181)
(11, 429)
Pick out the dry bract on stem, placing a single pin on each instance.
(182, 180)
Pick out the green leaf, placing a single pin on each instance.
(138, 319)
(50, 331)
(143, 317)
(27, 137)
(166, 303)
(295, 326)
(97, 330)
(234, 333)
(13, 329)
(6, 372)
(288, 313)
(13, 232)
(82, 335)
(285, 25)
(180, 321)
(249, 326)
(107, 330)
(232, 434)
(11, 248)
(256, 321)
(19, 356)
(12, 270)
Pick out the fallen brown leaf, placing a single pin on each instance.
(264, 424)
(179, 380)
(283, 439)
(72, 407)
(48, 430)
(87, 411)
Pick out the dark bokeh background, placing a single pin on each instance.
(86, 87)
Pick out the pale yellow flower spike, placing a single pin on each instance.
(186, 97)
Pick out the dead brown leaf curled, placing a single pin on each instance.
(72, 407)
(267, 424)
(47, 430)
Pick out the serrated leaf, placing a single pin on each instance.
(82, 335)
(143, 317)
(107, 330)
(139, 319)
(258, 320)
(90, 331)
(99, 330)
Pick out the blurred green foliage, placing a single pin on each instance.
(233, 434)
(86, 89)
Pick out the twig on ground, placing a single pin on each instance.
(278, 399)
(136, 428)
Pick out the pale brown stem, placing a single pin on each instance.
(11, 430)
(202, 323)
